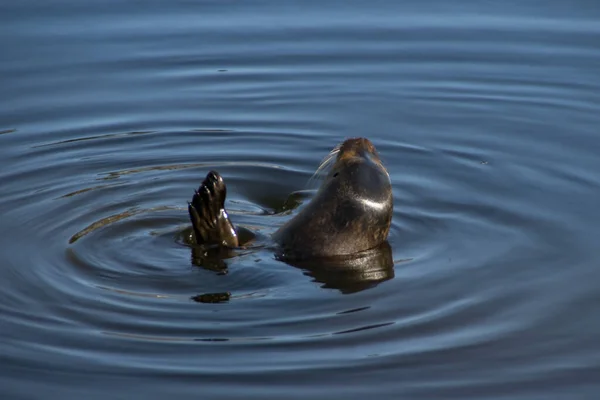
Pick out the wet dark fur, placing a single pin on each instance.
(207, 212)
(351, 212)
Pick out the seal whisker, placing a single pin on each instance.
(325, 163)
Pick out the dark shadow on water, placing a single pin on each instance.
(212, 298)
(350, 274)
(212, 259)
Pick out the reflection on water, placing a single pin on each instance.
(485, 115)
(346, 274)
(352, 274)
(112, 219)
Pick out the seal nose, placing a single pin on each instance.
(358, 147)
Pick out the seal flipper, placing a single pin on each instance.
(207, 213)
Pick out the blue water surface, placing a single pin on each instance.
(486, 115)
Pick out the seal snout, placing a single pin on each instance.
(358, 147)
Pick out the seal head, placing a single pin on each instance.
(351, 212)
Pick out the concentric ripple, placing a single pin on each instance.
(487, 122)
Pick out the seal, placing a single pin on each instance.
(350, 213)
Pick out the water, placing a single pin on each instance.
(486, 115)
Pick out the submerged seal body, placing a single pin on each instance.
(350, 213)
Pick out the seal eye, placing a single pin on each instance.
(335, 175)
